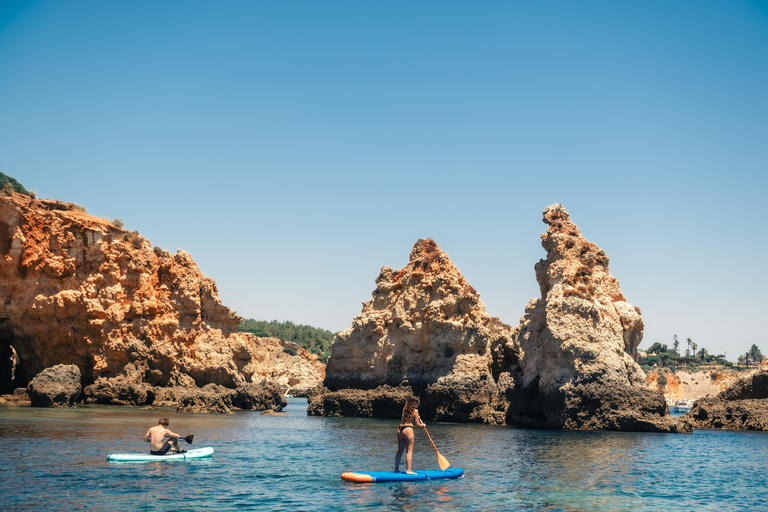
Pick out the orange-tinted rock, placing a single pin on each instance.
(76, 289)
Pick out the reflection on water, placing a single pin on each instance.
(55, 459)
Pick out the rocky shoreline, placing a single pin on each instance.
(742, 406)
(93, 314)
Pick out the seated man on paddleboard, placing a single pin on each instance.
(156, 438)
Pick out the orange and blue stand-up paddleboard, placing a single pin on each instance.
(364, 477)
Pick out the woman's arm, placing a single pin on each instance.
(417, 419)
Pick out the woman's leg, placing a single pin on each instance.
(400, 450)
(409, 439)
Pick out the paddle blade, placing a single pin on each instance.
(442, 462)
(189, 438)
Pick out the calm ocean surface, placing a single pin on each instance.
(54, 459)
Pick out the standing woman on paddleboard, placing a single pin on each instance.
(405, 435)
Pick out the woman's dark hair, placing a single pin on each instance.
(410, 405)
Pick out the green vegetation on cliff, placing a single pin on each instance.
(9, 185)
(318, 341)
(660, 356)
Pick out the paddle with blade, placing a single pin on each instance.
(188, 439)
(441, 461)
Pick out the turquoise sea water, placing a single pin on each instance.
(54, 459)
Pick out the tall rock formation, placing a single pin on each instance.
(580, 341)
(568, 365)
(425, 328)
(78, 290)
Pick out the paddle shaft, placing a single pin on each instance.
(430, 439)
(188, 439)
(441, 461)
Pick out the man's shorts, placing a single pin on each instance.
(161, 451)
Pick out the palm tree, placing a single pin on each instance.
(694, 346)
(703, 353)
(675, 342)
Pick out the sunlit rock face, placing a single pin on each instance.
(425, 328)
(579, 342)
(424, 323)
(78, 290)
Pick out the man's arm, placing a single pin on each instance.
(172, 434)
(148, 436)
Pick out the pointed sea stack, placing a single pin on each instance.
(579, 342)
(424, 331)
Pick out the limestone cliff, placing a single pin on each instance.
(579, 342)
(425, 328)
(78, 290)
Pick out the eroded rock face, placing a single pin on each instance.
(579, 342)
(751, 387)
(57, 386)
(18, 397)
(425, 329)
(220, 400)
(743, 406)
(77, 290)
(425, 323)
(381, 402)
(570, 364)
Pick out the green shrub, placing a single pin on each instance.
(317, 341)
(9, 185)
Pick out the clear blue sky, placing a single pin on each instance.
(294, 148)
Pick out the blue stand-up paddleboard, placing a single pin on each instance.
(197, 453)
(391, 476)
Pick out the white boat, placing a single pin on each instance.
(682, 406)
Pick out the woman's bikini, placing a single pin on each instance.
(403, 427)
